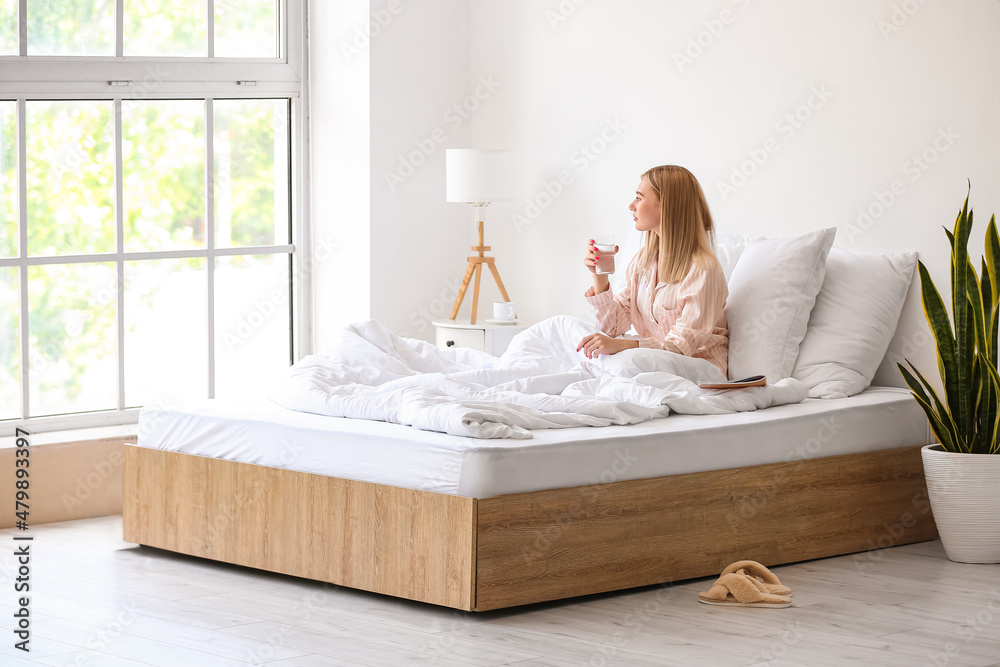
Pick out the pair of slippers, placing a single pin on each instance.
(747, 583)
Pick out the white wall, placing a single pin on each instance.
(420, 70)
(385, 76)
(339, 261)
(605, 74)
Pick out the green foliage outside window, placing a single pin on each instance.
(71, 199)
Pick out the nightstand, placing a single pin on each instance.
(492, 338)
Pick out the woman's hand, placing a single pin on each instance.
(597, 343)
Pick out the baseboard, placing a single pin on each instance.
(68, 480)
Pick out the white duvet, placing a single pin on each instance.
(541, 381)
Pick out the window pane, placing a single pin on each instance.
(71, 177)
(252, 330)
(157, 28)
(163, 159)
(8, 27)
(10, 352)
(166, 331)
(251, 172)
(8, 179)
(71, 27)
(246, 28)
(71, 344)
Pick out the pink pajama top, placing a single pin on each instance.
(685, 317)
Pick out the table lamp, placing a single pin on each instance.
(478, 177)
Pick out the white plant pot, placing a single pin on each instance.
(963, 490)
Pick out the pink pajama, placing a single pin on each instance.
(687, 317)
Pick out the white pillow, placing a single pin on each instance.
(771, 293)
(854, 319)
(729, 247)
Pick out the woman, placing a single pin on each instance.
(676, 290)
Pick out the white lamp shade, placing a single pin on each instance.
(479, 175)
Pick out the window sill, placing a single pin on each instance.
(92, 434)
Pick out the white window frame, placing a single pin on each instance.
(24, 78)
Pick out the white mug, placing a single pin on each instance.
(504, 310)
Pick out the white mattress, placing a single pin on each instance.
(269, 435)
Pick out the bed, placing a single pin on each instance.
(480, 524)
(834, 477)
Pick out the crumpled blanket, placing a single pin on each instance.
(541, 381)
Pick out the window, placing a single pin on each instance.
(149, 171)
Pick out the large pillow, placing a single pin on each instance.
(729, 247)
(854, 319)
(771, 293)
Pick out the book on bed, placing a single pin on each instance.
(752, 381)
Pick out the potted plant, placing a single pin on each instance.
(963, 470)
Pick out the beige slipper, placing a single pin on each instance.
(735, 589)
(762, 574)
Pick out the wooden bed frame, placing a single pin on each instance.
(478, 554)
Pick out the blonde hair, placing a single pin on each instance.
(686, 231)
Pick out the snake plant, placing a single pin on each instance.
(968, 419)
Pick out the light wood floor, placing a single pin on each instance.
(99, 601)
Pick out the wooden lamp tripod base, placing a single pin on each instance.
(476, 266)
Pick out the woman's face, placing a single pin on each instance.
(645, 208)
